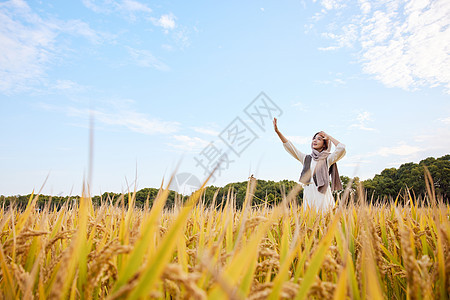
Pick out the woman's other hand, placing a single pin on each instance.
(324, 135)
(328, 137)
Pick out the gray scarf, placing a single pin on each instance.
(321, 175)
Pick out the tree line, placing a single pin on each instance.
(388, 184)
(411, 176)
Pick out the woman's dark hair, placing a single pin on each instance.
(325, 142)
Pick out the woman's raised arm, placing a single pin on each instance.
(288, 145)
(281, 136)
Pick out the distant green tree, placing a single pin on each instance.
(388, 184)
(410, 177)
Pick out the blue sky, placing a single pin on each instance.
(163, 79)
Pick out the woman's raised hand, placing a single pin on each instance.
(275, 124)
(282, 138)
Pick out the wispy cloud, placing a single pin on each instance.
(130, 9)
(167, 22)
(402, 44)
(134, 6)
(300, 106)
(437, 139)
(167, 47)
(301, 140)
(361, 121)
(25, 49)
(105, 7)
(400, 150)
(80, 28)
(180, 34)
(187, 143)
(134, 11)
(345, 39)
(119, 114)
(431, 141)
(29, 44)
(137, 122)
(146, 59)
(67, 85)
(182, 37)
(419, 146)
(355, 160)
(333, 4)
(445, 120)
(334, 82)
(207, 131)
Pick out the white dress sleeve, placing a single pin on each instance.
(290, 148)
(338, 153)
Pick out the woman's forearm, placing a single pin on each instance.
(333, 140)
(329, 137)
(281, 136)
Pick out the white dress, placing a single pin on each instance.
(311, 195)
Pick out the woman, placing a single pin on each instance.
(320, 163)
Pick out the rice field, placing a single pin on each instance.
(355, 251)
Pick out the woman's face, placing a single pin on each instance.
(318, 142)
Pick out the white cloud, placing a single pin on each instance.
(77, 27)
(365, 6)
(134, 6)
(422, 145)
(300, 106)
(346, 39)
(445, 120)
(167, 47)
(130, 9)
(361, 121)
(146, 59)
(25, 49)
(334, 82)
(67, 85)
(133, 10)
(119, 113)
(181, 37)
(432, 141)
(401, 150)
(437, 139)
(301, 140)
(179, 34)
(329, 48)
(102, 8)
(29, 44)
(187, 143)
(206, 131)
(167, 22)
(355, 161)
(136, 122)
(403, 44)
(333, 4)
